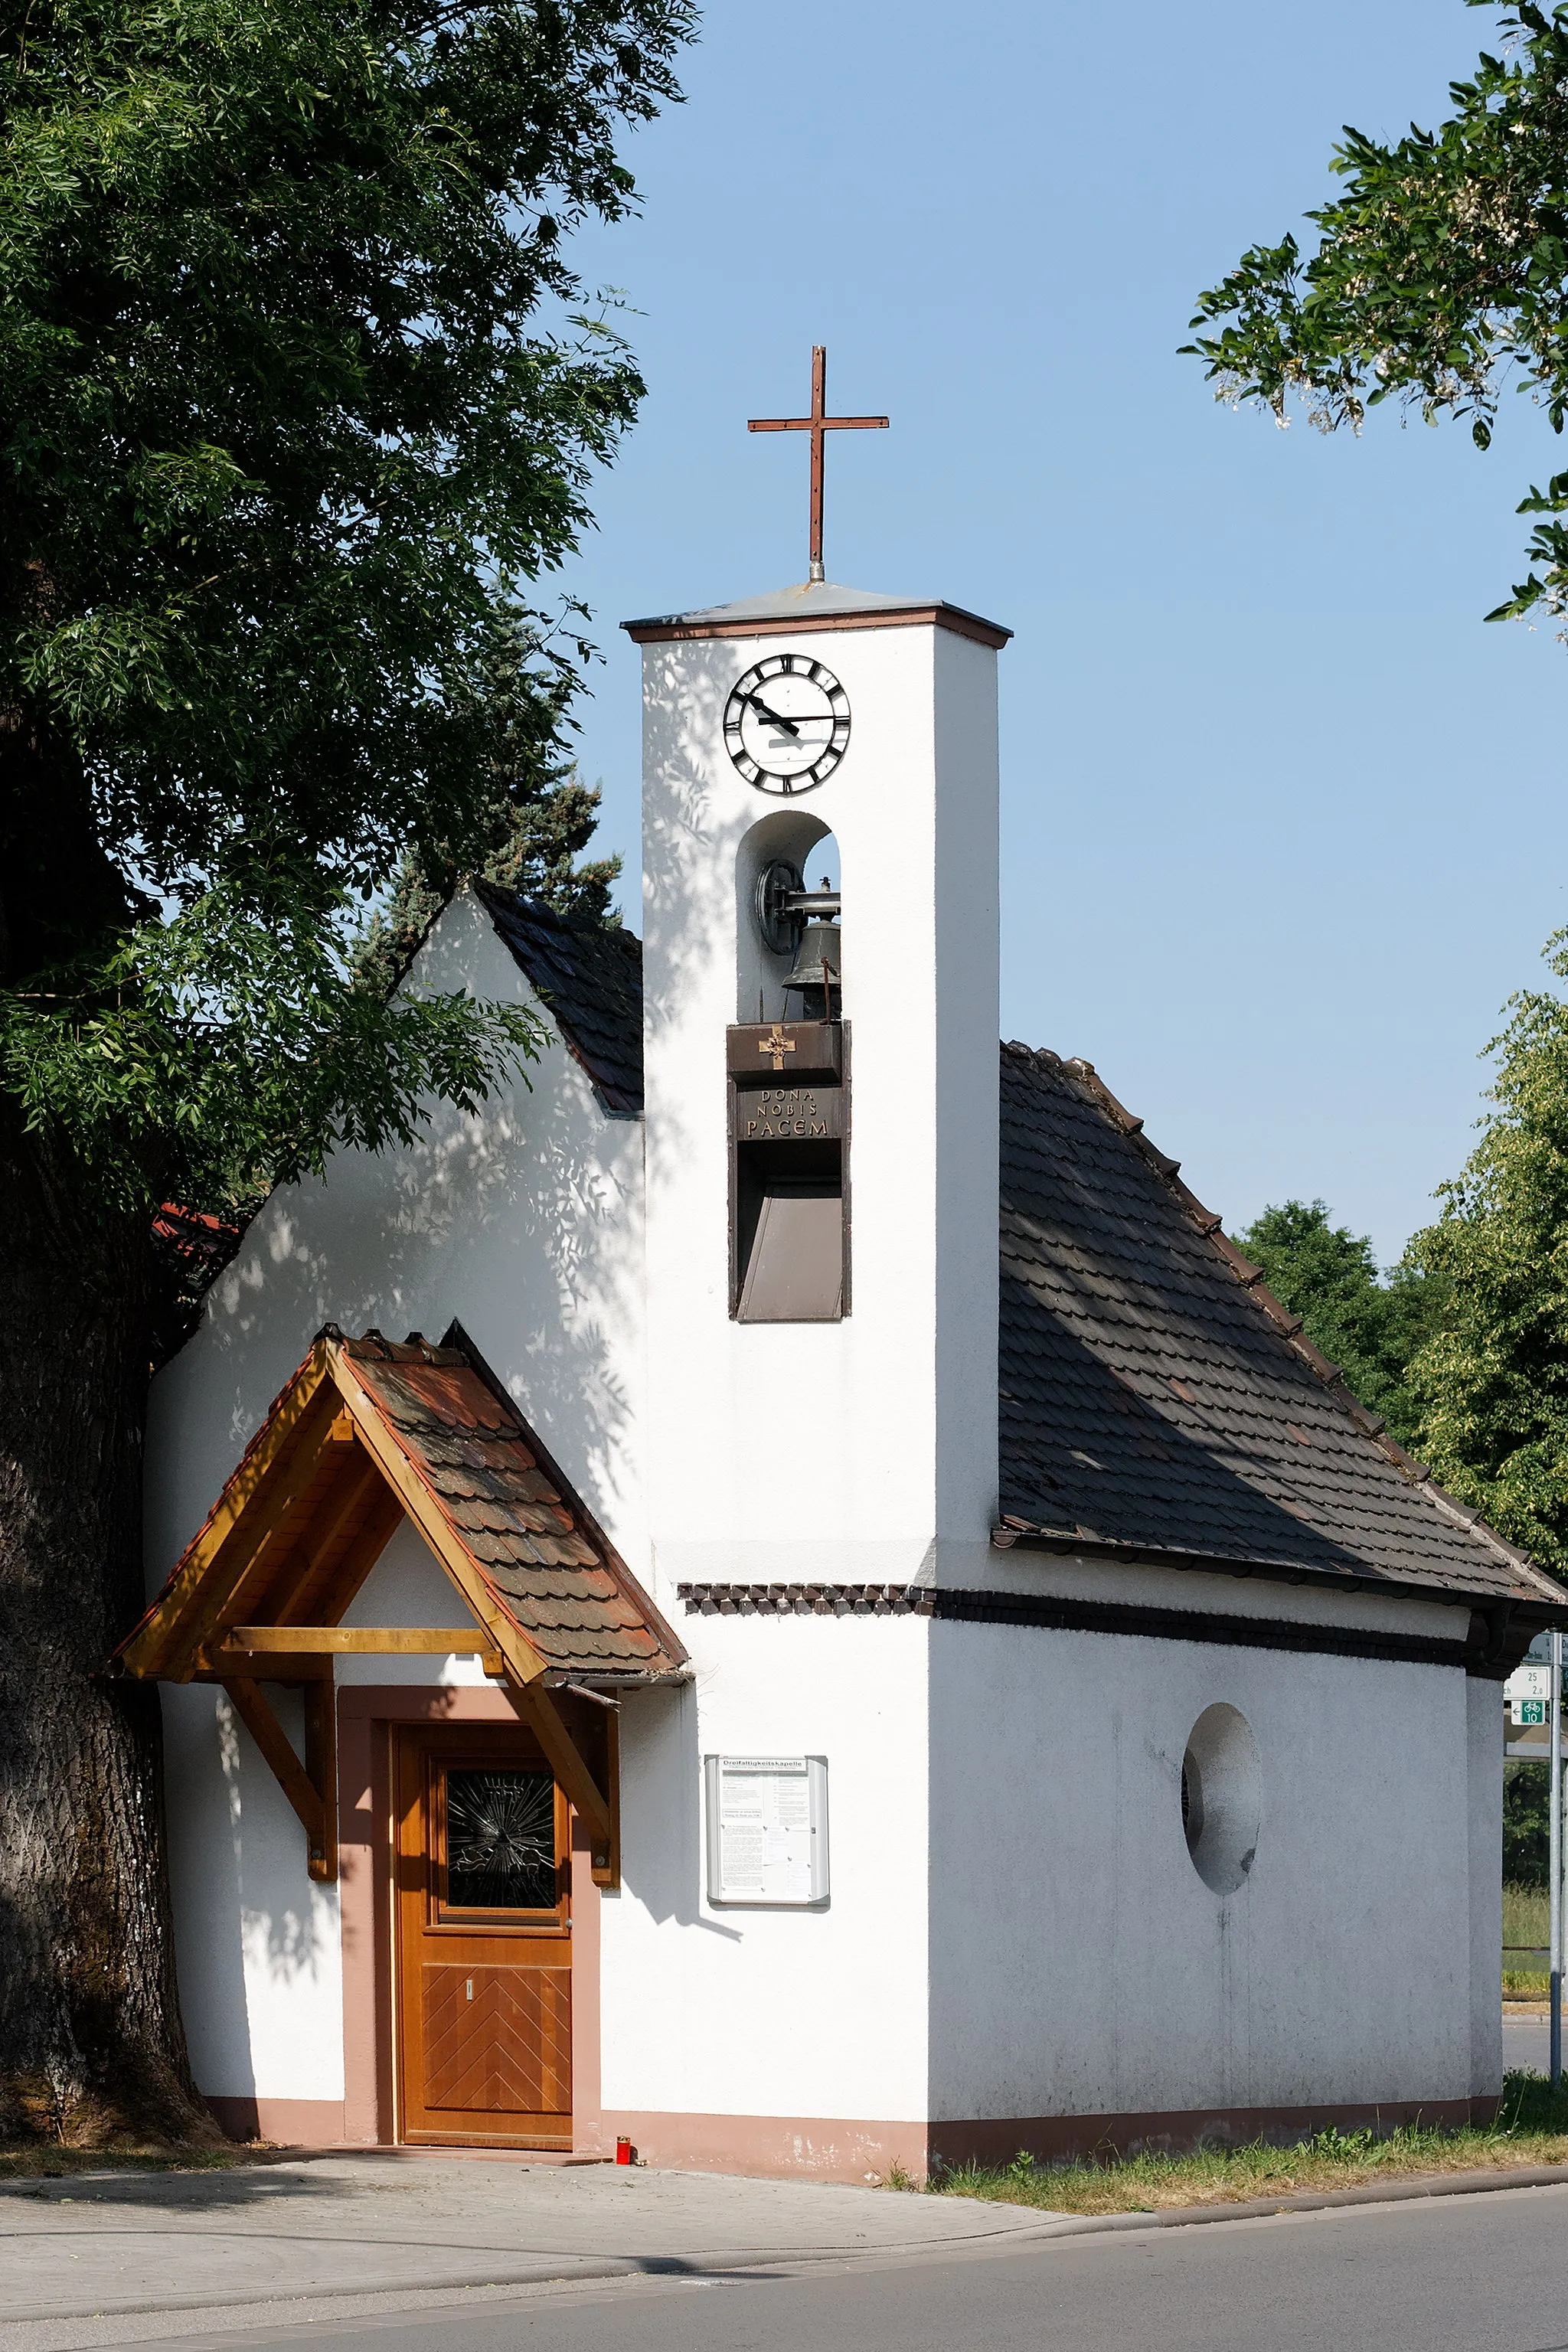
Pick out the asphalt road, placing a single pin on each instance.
(1527, 2042)
(1471, 2273)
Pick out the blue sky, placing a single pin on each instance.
(1283, 822)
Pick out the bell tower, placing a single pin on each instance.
(821, 1085)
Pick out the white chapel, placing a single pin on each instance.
(782, 1594)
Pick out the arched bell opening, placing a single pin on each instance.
(788, 1059)
(789, 855)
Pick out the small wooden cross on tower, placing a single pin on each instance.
(818, 424)
(778, 1043)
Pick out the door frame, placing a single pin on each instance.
(423, 1932)
(368, 1717)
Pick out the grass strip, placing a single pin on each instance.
(1532, 2128)
(33, 2161)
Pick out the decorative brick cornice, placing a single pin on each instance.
(807, 1600)
(1492, 1652)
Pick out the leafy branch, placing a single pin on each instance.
(1437, 279)
(1492, 1382)
(222, 1052)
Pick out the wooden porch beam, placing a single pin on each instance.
(322, 1765)
(355, 1491)
(215, 1664)
(363, 1641)
(311, 1788)
(566, 1762)
(146, 1652)
(251, 1538)
(524, 1663)
(608, 1872)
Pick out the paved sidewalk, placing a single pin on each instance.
(93, 2250)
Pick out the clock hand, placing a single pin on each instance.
(776, 717)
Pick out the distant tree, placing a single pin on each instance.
(297, 406)
(1492, 1382)
(1438, 279)
(1526, 1831)
(1371, 1327)
(531, 825)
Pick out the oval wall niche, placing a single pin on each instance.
(1221, 1797)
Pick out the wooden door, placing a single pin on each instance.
(484, 1941)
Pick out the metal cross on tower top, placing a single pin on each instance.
(818, 424)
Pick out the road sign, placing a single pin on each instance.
(1528, 1692)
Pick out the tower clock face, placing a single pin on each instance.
(786, 724)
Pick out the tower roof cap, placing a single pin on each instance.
(818, 604)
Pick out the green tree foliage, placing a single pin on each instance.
(298, 403)
(1526, 1832)
(1369, 1326)
(284, 443)
(534, 823)
(1492, 1382)
(1439, 279)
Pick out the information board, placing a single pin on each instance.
(767, 1829)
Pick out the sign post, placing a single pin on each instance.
(1554, 1819)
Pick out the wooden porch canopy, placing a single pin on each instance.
(369, 1432)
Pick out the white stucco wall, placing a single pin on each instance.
(740, 2011)
(408, 1586)
(1079, 1964)
(525, 1223)
(1223, 1594)
(862, 1451)
(258, 1946)
(966, 1013)
(1027, 1936)
(1485, 1736)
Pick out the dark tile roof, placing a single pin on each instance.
(190, 1250)
(590, 979)
(1156, 1397)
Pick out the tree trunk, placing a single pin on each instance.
(91, 2045)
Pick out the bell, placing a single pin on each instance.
(816, 975)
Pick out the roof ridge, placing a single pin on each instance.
(1249, 1277)
(373, 1346)
(539, 911)
(588, 976)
